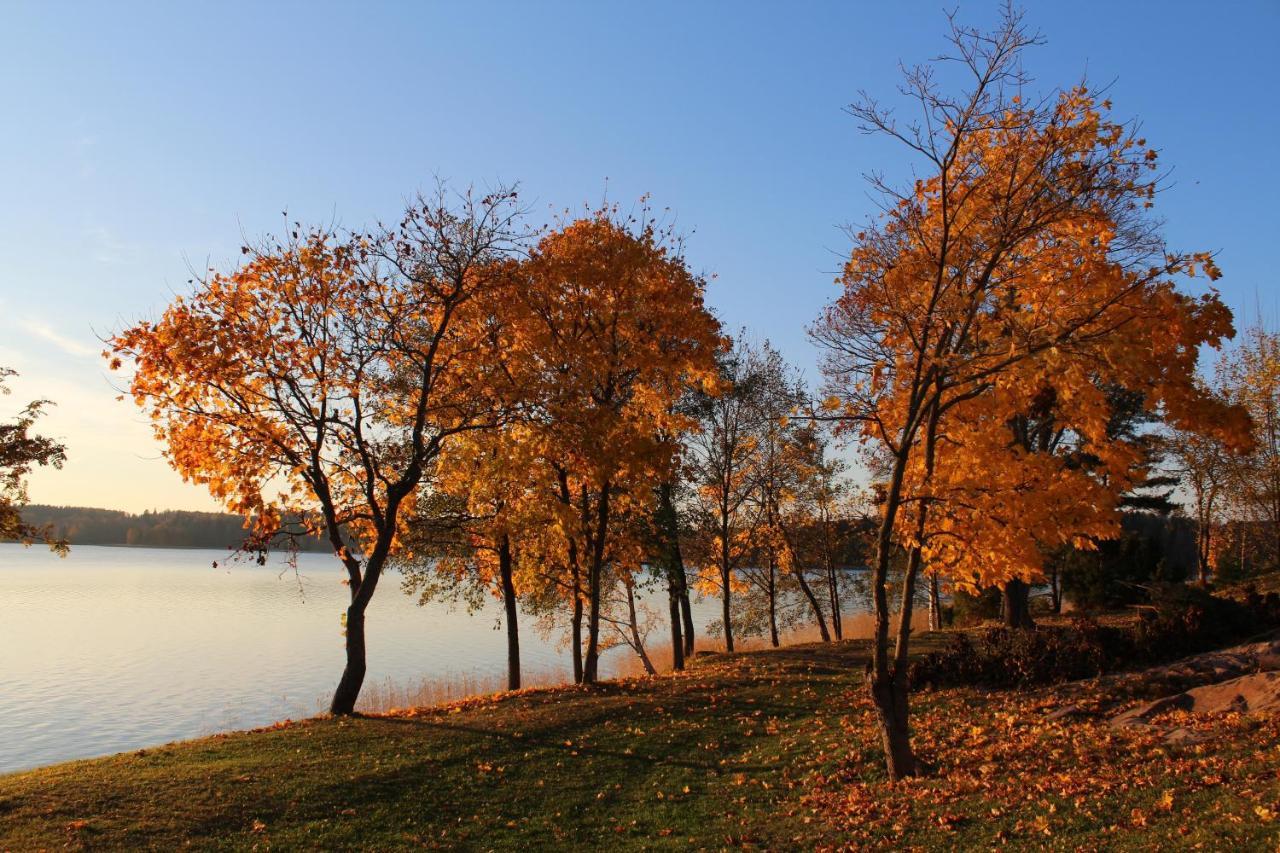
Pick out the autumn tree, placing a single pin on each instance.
(1250, 377)
(320, 380)
(1021, 253)
(820, 517)
(783, 466)
(21, 450)
(665, 531)
(463, 540)
(614, 327)
(722, 456)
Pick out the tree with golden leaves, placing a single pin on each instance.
(1250, 377)
(722, 469)
(312, 388)
(1022, 252)
(466, 539)
(612, 328)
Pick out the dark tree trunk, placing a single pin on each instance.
(1017, 604)
(935, 604)
(813, 602)
(591, 667)
(344, 698)
(833, 592)
(887, 681)
(590, 664)
(677, 590)
(509, 602)
(577, 638)
(725, 572)
(773, 607)
(677, 640)
(890, 699)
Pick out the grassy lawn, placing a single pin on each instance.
(767, 749)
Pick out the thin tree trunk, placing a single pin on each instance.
(637, 641)
(724, 582)
(813, 602)
(509, 602)
(886, 680)
(833, 592)
(773, 606)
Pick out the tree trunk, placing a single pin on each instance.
(344, 698)
(591, 666)
(577, 638)
(591, 662)
(637, 641)
(725, 571)
(677, 640)
(1017, 604)
(833, 592)
(813, 602)
(773, 607)
(509, 602)
(886, 682)
(686, 615)
(674, 564)
(889, 695)
(935, 604)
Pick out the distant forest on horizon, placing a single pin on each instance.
(81, 525)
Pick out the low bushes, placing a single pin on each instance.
(1180, 620)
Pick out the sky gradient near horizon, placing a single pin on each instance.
(143, 140)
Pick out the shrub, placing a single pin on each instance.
(1181, 620)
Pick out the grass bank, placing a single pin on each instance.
(769, 749)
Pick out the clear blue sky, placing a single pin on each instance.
(140, 137)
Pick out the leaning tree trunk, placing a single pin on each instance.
(509, 602)
(633, 623)
(1017, 604)
(344, 698)
(813, 602)
(362, 588)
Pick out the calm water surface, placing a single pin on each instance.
(113, 649)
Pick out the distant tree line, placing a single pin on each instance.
(81, 525)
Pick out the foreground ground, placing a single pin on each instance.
(768, 749)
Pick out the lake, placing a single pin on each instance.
(114, 649)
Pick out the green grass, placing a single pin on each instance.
(767, 749)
